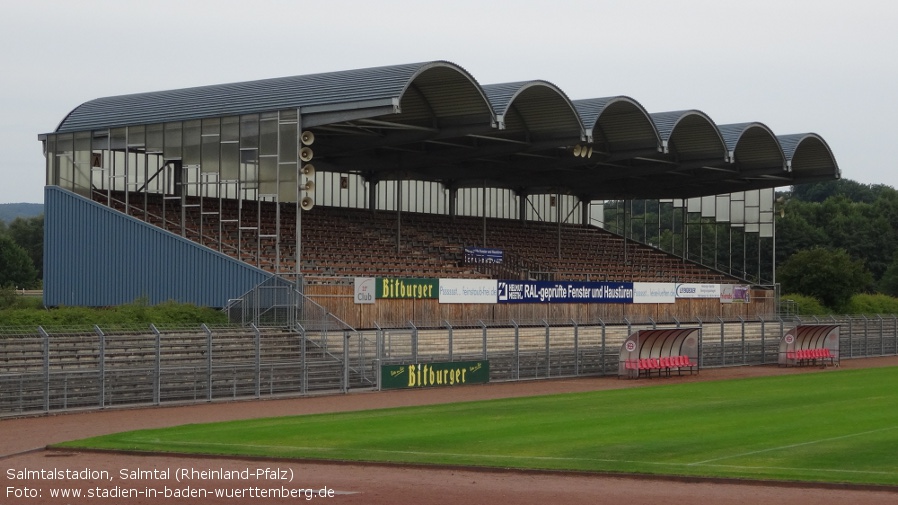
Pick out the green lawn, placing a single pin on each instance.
(840, 426)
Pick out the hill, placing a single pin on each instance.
(10, 211)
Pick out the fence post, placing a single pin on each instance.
(102, 357)
(781, 333)
(744, 358)
(414, 341)
(548, 354)
(450, 338)
(45, 349)
(304, 374)
(602, 322)
(346, 360)
(850, 339)
(382, 348)
(723, 356)
(208, 360)
(576, 348)
(701, 342)
(483, 325)
(157, 367)
(517, 350)
(882, 337)
(378, 354)
(866, 338)
(763, 342)
(258, 357)
(895, 331)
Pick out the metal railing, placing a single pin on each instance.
(43, 371)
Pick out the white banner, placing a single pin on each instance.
(698, 290)
(364, 290)
(654, 292)
(468, 291)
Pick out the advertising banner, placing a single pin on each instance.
(406, 288)
(735, 293)
(430, 375)
(654, 292)
(483, 255)
(363, 291)
(698, 290)
(565, 292)
(467, 291)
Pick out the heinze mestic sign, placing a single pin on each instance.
(431, 375)
(565, 292)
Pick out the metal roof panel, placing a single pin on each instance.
(378, 83)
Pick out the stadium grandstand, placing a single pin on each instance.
(364, 224)
(463, 197)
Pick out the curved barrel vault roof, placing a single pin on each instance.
(435, 121)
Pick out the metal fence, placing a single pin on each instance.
(44, 371)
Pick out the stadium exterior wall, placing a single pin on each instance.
(97, 256)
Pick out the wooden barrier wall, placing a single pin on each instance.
(338, 300)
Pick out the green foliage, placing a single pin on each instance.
(29, 235)
(9, 299)
(16, 268)
(797, 230)
(804, 305)
(888, 283)
(861, 219)
(831, 276)
(854, 191)
(872, 304)
(754, 428)
(22, 311)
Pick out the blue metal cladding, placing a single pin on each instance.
(96, 256)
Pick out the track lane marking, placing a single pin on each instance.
(791, 446)
(550, 458)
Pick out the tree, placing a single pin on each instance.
(16, 268)
(830, 275)
(853, 190)
(888, 284)
(28, 233)
(797, 231)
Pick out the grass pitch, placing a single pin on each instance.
(840, 426)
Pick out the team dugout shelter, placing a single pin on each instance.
(201, 194)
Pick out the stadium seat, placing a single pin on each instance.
(632, 368)
(663, 362)
(686, 362)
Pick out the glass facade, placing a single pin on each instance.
(155, 171)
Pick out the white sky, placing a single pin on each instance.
(795, 65)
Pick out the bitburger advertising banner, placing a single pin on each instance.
(404, 288)
(430, 375)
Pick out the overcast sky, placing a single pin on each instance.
(795, 65)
